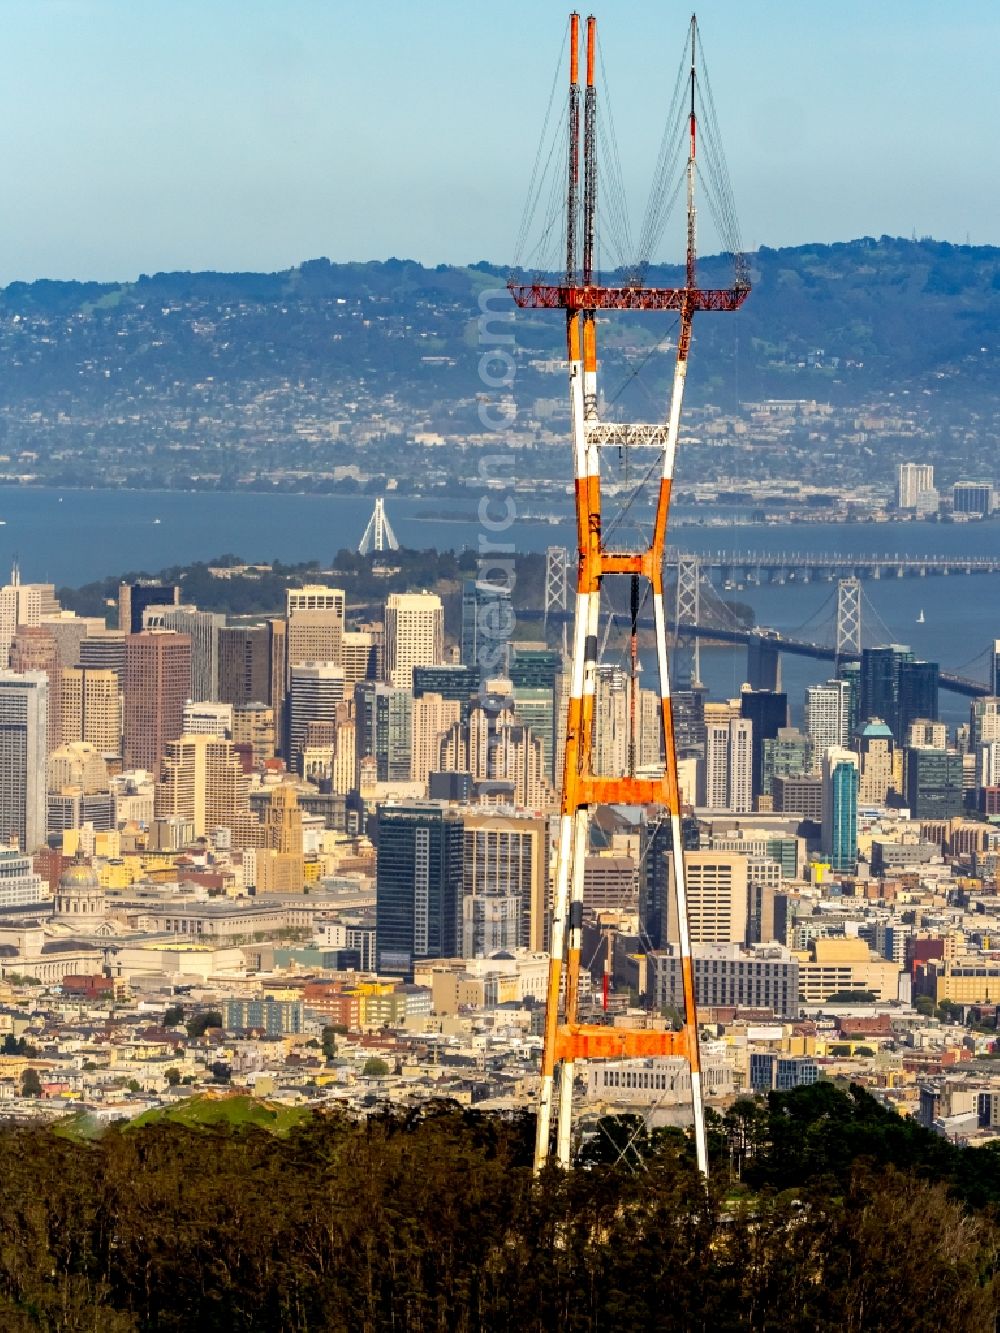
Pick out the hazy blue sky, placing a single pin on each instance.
(147, 134)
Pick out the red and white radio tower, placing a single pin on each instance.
(581, 295)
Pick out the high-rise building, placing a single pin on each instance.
(504, 862)
(972, 497)
(717, 895)
(104, 652)
(202, 779)
(933, 783)
(202, 627)
(92, 709)
(134, 598)
(450, 680)
(784, 755)
(495, 747)
(768, 711)
(315, 636)
(995, 669)
(432, 716)
(913, 480)
(726, 772)
(280, 864)
(157, 685)
(20, 886)
(23, 734)
(204, 718)
(383, 719)
(827, 716)
(876, 751)
(918, 695)
(419, 884)
(897, 688)
(487, 626)
(984, 720)
(34, 649)
(253, 726)
(315, 597)
(244, 665)
(78, 764)
(22, 604)
(315, 691)
(840, 773)
(414, 635)
(358, 656)
(923, 732)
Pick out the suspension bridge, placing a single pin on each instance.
(755, 567)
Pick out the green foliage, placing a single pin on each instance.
(173, 1016)
(200, 1023)
(173, 1077)
(329, 1043)
(31, 1084)
(924, 1005)
(431, 1220)
(374, 1067)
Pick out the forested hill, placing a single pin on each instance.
(860, 315)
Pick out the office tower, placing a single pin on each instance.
(726, 773)
(611, 721)
(20, 886)
(487, 626)
(208, 719)
(134, 598)
(245, 665)
(34, 649)
(315, 691)
(912, 480)
(202, 627)
(798, 794)
(654, 875)
(344, 778)
(358, 656)
(253, 727)
(536, 675)
(933, 783)
(923, 732)
(69, 630)
(383, 719)
(918, 695)
(23, 734)
(432, 716)
(157, 685)
(315, 597)
(451, 681)
(717, 889)
(505, 883)
(104, 652)
(876, 751)
(840, 809)
(202, 779)
(688, 711)
(419, 881)
(414, 635)
(768, 711)
(784, 755)
(315, 636)
(987, 757)
(277, 652)
(827, 716)
(851, 673)
(994, 681)
(972, 497)
(280, 864)
(92, 709)
(77, 764)
(984, 720)
(494, 747)
(22, 604)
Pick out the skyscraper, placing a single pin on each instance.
(157, 685)
(933, 783)
(912, 480)
(316, 636)
(414, 635)
(22, 604)
(840, 809)
(768, 711)
(487, 626)
(419, 881)
(432, 716)
(92, 709)
(995, 668)
(726, 772)
(383, 718)
(202, 779)
(202, 627)
(34, 649)
(244, 665)
(104, 652)
(134, 598)
(504, 860)
(827, 716)
(23, 731)
(316, 689)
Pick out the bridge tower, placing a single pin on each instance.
(581, 294)
(848, 638)
(556, 584)
(687, 656)
(378, 536)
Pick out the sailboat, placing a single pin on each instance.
(920, 618)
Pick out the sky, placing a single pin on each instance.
(143, 135)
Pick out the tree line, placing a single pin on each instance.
(822, 1214)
